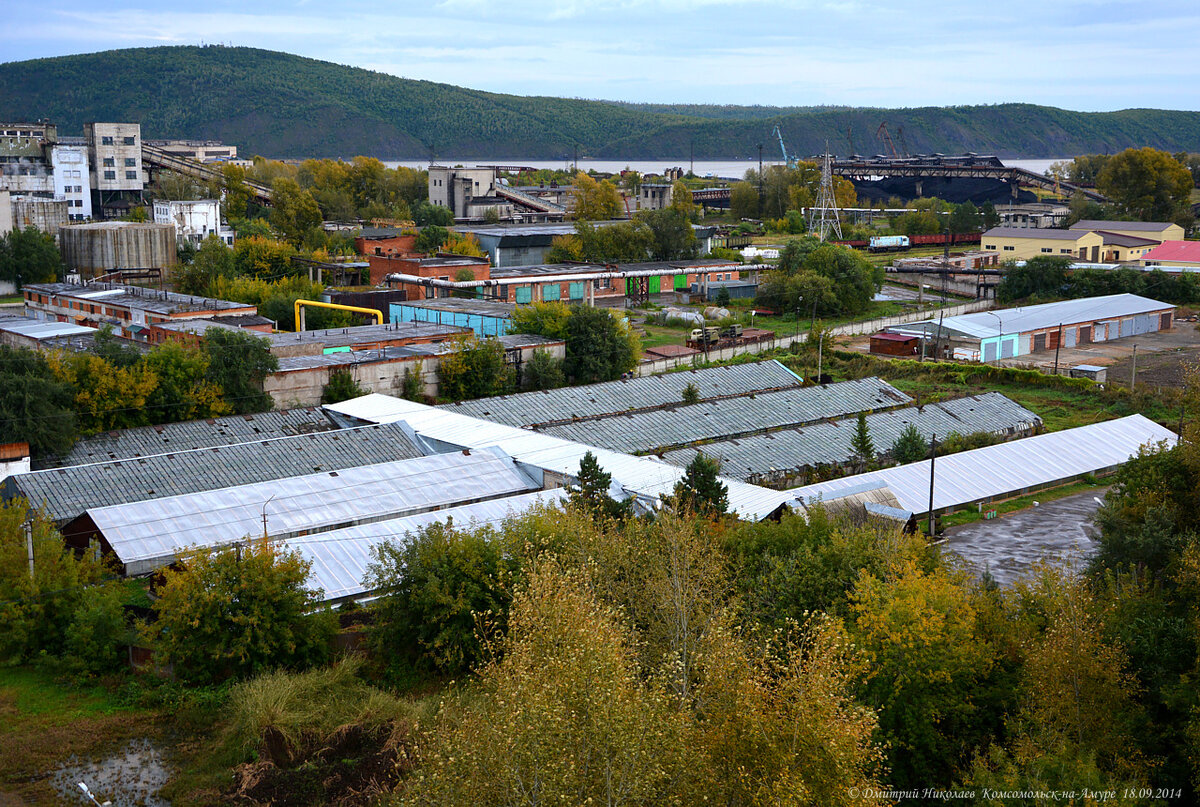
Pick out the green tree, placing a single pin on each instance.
(910, 446)
(681, 199)
(36, 406)
(918, 630)
(672, 236)
(460, 276)
(29, 256)
(595, 201)
(211, 261)
(1043, 275)
(341, 387)
(182, 390)
(237, 194)
(474, 369)
(543, 371)
(691, 394)
(425, 214)
(860, 442)
(723, 296)
(431, 238)
(600, 347)
(700, 488)
(238, 364)
(261, 257)
(743, 201)
(990, 218)
(35, 611)
(106, 396)
(547, 319)
(965, 218)
(294, 212)
(97, 638)
(238, 611)
(591, 491)
(434, 589)
(1146, 183)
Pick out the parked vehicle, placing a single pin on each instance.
(888, 243)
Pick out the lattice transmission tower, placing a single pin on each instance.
(823, 217)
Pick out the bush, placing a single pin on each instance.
(341, 387)
(543, 372)
(236, 611)
(99, 633)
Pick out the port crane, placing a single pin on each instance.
(789, 160)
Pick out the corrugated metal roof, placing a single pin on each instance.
(1006, 469)
(644, 476)
(339, 558)
(149, 440)
(42, 329)
(1136, 226)
(643, 432)
(612, 397)
(147, 535)
(1010, 321)
(67, 492)
(759, 458)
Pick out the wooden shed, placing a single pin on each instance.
(894, 344)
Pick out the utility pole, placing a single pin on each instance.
(1057, 346)
(820, 354)
(932, 458)
(29, 544)
(761, 195)
(1133, 374)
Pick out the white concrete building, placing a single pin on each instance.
(115, 154)
(72, 180)
(193, 220)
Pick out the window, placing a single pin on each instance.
(1009, 249)
(106, 141)
(131, 174)
(130, 162)
(1067, 251)
(989, 246)
(1047, 249)
(109, 162)
(110, 174)
(129, 141)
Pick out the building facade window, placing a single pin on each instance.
(1047, 249)
(110, 162)
(129, 141)
(110, 174)
(1009, 249)
(131, 174)
(130, 162)
(106, 141)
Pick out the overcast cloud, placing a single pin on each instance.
(1077, 54)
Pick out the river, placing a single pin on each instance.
(733, 169)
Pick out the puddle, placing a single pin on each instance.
(130, 777)
(1060, 532)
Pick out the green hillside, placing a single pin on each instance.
(281, 105)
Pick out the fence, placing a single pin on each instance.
(849, 329)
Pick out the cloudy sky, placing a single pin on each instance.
(1077, 54)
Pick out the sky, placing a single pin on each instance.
(1087, 55)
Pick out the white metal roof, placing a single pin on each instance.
(340, 557)
(146, 535)
(1007, 468)
(645, 476)
(39, 329)
(986, 324)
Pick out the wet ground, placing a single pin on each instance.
(1059, 531)
(131, 776)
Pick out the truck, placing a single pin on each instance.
(708, 335)
(888, 243)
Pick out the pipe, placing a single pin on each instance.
(299, 304)
(535, 279)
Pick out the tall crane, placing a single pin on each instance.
(885, 138)
(903, 142)
(790, 161)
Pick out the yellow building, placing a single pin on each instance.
(1152, 230)
(1019, 243)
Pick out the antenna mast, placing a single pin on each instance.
(823, 218)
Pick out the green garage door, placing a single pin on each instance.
(680, 282)
(524, 294)
(576, 291)
(656, 285)
(551, 291)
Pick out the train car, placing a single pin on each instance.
(888, 243)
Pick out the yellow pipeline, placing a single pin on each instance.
(373, 311)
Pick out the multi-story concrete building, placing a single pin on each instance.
(72, 180)
(115, 157)
(193, 220)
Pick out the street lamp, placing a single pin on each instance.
(999, 336)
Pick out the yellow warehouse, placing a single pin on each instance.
(1020, 243)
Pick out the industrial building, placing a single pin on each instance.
(1168, 254)
(47, 179)
(1006, 333)
(1018, 243)
(1006, 470)
(115, 160)
(193, 220)
(67, 492)
(609, 398)
(1157, 231)
(528, 244)
(656, 431)
(27, 332)
(484, 317)
(130, 310)
(471, 193)
(98, 248)
(786, 457)
(438, 267)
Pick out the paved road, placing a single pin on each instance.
(1060, 531)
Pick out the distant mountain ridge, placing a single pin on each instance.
(281, 105)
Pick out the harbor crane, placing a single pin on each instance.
(884, 137)
(789, 160)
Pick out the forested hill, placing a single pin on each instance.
(281, 105)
